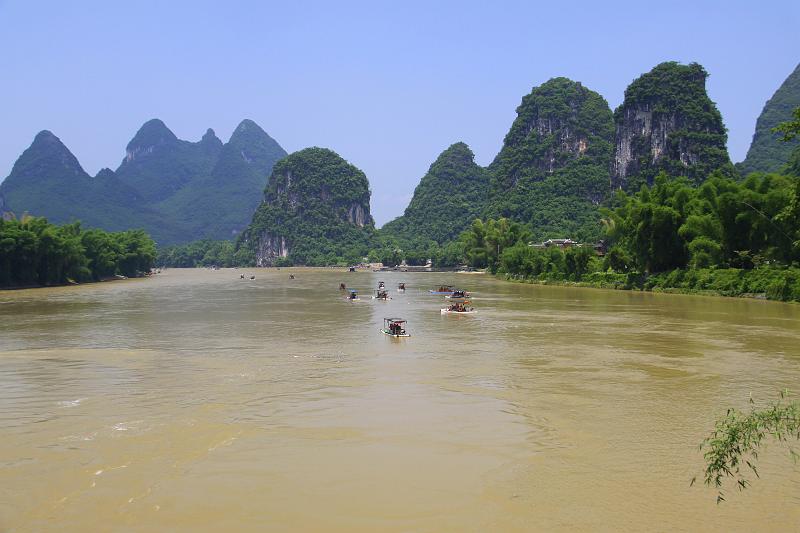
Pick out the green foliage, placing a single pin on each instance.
(675, 96)
(548, 264)
(723, 237)
(775, 283)
(35, 252)
(552, 171)
(722, 223)
(484, 242)
(732, 448)
(767, 153)
(791, 128)
(314, 202)
(203, 254)
(449, 197)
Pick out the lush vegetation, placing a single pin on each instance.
(552, 171)
(36, 252)
(675, 97)
(449, 197)
(205, 253)
(722, 223)
(177, 190)
(724, 237)
(732, 448)
(767, 152)
(315, 212)
(484, 243)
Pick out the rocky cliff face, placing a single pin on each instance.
(557, 123)
(315, 203)
(552, 170)
(767, 152)
(667, 122)
(452, 194)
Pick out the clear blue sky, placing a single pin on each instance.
(388, 85)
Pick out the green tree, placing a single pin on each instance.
(732, 448)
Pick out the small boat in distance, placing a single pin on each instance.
(458, 293)
(381, 294)
(352, 269)
(353, 296)
(381, 285)
(459, 308)
(394, 327)
(401, 287)
(443, 289)
(291, 276)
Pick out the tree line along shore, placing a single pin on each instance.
(726, 237)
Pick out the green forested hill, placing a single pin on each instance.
(178, 191)
(157, 164)
(552, 171)
(315, 211)
(219, 202)
(48, 180)
(668, 123)
(767, 152)
(452, 194)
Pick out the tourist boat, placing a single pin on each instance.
(353, 296)
(381, 294)
(459, 308)
(401, 287)
(352, 269)
(443, 289)
(394, 327)
(457, 294)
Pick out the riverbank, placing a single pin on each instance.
(71, 283)
(760, 283)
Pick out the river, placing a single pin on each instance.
(198, 401)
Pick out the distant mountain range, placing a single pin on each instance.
(176, 190)
(564, 156)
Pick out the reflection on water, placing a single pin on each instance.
(199, 401)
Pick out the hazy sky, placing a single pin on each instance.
(388, 85)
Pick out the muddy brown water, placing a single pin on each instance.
(197, 401)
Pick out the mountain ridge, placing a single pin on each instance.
(767, 152)
(177, 190)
